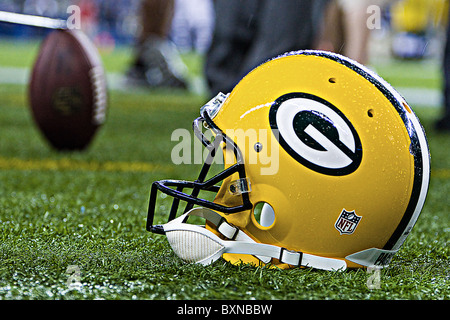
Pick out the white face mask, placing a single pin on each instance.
(196, 244)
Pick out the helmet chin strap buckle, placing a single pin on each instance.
(194, 243)
(294, 257)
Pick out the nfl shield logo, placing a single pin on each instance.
(347, 222)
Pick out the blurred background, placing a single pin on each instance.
(412, 31)
(111, 23)
(415, 26)
(402, 40)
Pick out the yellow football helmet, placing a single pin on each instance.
(325, 166)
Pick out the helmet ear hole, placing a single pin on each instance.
(264, 214)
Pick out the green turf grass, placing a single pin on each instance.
(88, 210)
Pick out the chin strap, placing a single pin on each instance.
(194, 243)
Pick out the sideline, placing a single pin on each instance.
(415, 96)
(66, 164)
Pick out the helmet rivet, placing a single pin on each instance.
(258, 146)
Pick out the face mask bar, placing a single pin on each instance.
(210, 185)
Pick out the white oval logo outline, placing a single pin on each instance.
(340, 156)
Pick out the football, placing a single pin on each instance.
(67, 90)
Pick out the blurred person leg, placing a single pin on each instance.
(345, 29)
(156, 61)
(156, 17)
(283, 26)
(444, 123)
(331, 36)
(355, 29)
(231, 40)
(248, 32)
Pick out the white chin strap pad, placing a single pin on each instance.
(196, 244)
